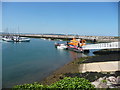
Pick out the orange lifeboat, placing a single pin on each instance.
(75, 42)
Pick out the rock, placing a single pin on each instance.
(111, 87)
(109, 83)
(100, 79)
(104, 78)
(103, 85)
(107, 79)
(118, 79)
(112, 79)
(96, 83)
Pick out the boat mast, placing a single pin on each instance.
(18, 31)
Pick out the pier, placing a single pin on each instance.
(111, 45)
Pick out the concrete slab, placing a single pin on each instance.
(106, 67)
(116, 66)
(94, 67)
(100, 67)
(82, 68)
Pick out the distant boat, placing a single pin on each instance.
(7, 39)
(15, 39)
(43, 38)
(21, 39)
(24, 39)
(60, 40)
(49, 39)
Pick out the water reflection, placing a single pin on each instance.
(75, 55)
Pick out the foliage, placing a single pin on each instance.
(104, 81)
(67, 82)
(35, 85)
(76, 83)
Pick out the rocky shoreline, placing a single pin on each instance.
(107, 82)
(100, 80)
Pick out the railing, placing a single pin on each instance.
(102, 46)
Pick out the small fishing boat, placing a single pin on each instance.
(62, 46)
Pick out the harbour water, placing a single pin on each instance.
(28, 62)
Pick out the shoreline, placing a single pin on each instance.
(58, 73)
(71, 69)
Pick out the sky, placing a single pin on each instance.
(61, 0)
(83, 18)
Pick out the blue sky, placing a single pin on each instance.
(83, 18)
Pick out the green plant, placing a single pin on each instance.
(33, 86)
(67, 82)
(104, 81)
(76, 83)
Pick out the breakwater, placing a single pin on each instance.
(69, 37)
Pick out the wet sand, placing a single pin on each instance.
(59, 73)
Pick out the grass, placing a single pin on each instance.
(104, 81)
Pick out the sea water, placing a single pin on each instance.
(28, 62)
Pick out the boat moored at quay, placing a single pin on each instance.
(74, 45)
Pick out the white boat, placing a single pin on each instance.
(60, 40)
(43, 38)
(7, 39)
(16, 39)
(62, 46)
(49, 39)
(21, 39)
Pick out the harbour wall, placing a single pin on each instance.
(69, 37)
